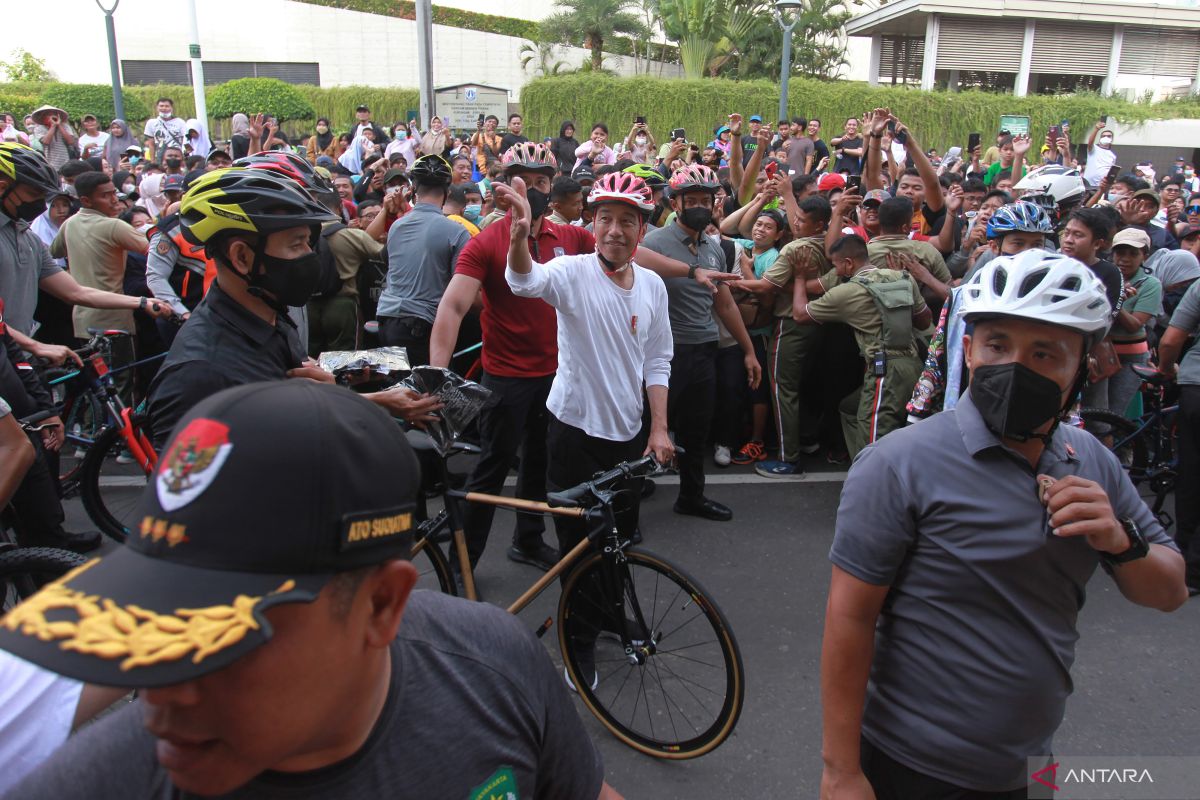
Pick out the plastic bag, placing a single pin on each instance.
(381, 360)
(462, 400)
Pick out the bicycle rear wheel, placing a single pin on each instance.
(1128, 444)
(109, 489)
(24, 569)
(678, 690)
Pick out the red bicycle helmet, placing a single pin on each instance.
(291, 166)
(622, 187)
(694, 177)
(529, 156)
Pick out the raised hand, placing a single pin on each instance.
(1021, 144)
(735, 124)
(519, 211)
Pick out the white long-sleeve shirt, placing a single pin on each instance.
(610, 341)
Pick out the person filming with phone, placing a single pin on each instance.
(639, 144)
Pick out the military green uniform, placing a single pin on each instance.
(878, 406)
(792, 348)
(922, 251)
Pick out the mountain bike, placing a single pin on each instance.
(651, 654)
(1146, 446)
(23, 570)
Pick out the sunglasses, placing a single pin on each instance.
(1193, 209)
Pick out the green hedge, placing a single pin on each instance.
(938, 119)
(487, 23)
(259, 96)
(17, 104)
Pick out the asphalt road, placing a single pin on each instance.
(769, 572)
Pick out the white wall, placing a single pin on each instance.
(351, 47)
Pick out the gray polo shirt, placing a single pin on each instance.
(689, 304)
(24, 260)
(976, 638)
(1187, 317)
(422, 248)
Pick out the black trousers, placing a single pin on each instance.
(38, 511)
(892, 780)
(516, 423)
(411, 333)
(1187, 499)
(575, 457)
(691, 397)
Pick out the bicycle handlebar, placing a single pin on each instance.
(571, 498)
(30, 423)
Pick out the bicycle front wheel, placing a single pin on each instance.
(433, 570)
(677, 689)
(24, 569)
(111, 485)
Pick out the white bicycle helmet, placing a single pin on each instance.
(1042, 287)
(1064, 185)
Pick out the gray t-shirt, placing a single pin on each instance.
(1187, 317)
(689, 303)
(24, 260)
(422, 248)
(798, 151)
(976, 639)
(474, 702)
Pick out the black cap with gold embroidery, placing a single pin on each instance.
(264, 493)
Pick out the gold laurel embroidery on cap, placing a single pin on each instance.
(139, 636)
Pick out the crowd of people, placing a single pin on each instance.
(766, 298)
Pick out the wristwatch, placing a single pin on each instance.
(1138, 546)
(692, 270)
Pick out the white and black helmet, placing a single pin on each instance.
(1042, 287)
(1064, 185)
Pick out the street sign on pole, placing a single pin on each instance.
(197, 66)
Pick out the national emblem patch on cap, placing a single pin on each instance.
(192, 463)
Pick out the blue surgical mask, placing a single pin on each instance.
(1113, 197)
(133, 160)
(401, 135)
(473, 212)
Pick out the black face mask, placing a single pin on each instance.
(538, 202)
(173, 163)
(697, 218)
(291, 281)
(27, 211)
(1014, 400)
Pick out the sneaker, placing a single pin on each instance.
(586, 661)
(779, 469)
(750, 453)
(721, 456)
(809, 448)
(839, 459)
(125, 458)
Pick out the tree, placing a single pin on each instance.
(25, 66)
(709, 32)
(818, 43)
(259, 96)
(545, 61)
(589, 23)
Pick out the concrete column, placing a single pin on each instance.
(876, 54)
(929, 65)
(1021, 88)
(952, 84)
(1196, 81)
(1114, 60)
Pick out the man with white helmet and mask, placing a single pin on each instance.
(962, 550)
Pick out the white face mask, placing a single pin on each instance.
(1106, 141)
(128, 187)
(144, 229)
(164, 115)
(640, 141)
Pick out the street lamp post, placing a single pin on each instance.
(780, 11)
(114, 66)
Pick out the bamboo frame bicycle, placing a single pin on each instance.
(651, 655)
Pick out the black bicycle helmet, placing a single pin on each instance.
(25, 165)
(430, 170)
(239, 200)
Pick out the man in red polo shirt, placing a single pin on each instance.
(520, 350)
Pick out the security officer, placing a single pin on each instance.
(883, 306)
(963, 551)
(692, 391)
(259, 227)
(175, 271)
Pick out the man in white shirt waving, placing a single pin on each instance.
(613, 336)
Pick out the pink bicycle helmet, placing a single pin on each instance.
(529, 156)
(694, 177)
(622, 187)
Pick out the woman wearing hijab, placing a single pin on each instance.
(125, 182)
(152, 197)
(564, 147)
(436, 140)
(119, 140)
(323, 142)
(239, 139)
(1176, 270)
(197, 138)
(353, 157)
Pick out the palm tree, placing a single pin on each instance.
(590, 22)
(543, 57)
